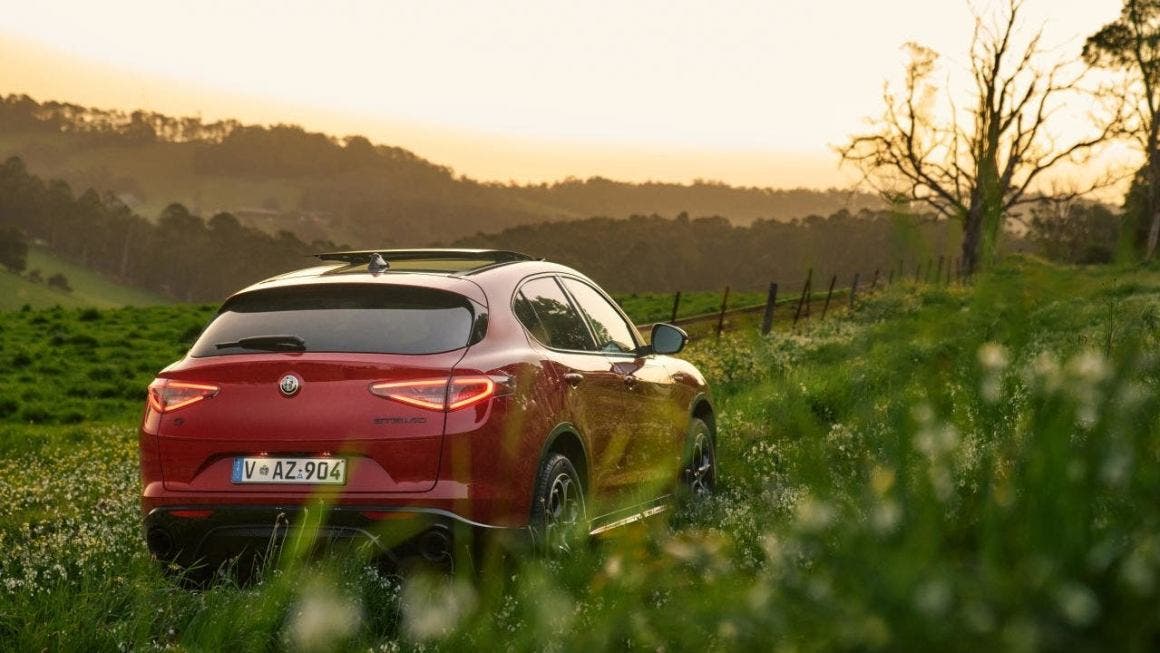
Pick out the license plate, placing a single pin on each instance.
(330, 471)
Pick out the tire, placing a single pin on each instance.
(559, 518)
(699, 472)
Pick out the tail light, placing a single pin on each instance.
(166, 396)
(438, 394)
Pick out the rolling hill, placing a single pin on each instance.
(345, 190)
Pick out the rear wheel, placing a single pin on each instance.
(699, 475)
(558, 511)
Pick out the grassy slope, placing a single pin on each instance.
(950, 469)
(88, 287)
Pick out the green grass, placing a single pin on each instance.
(88, 287)
(68, 366)
(941, 469)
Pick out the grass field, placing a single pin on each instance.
(88, 288)
(68, 366)
(950, 469)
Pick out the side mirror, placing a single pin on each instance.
(668, 339)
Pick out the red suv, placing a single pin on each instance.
(415, 399)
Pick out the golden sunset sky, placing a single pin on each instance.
(751, 93)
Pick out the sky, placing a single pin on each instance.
(746, 92)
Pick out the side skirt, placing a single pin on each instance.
(630, 519)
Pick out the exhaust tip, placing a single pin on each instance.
(435, 545)
(160, 542)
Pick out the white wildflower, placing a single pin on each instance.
(322, 619)
(814, 514)
(932, 598)
(1077, 603)
(433, 606)
(993, 357)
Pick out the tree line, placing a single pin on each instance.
(180, 255)
(654, 253)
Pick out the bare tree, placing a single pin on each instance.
(1131, 44)
(976, 164)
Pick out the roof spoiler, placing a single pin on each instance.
(387, 255)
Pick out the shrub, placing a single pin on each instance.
(60, 282)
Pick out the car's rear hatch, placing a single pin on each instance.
(344, 340)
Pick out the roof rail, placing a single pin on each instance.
(365, 255)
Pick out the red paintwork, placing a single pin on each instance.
(478, 463)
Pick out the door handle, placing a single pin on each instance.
(573, 378)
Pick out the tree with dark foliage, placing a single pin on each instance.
(1131, 44)
(1074, 232)
(13, 250)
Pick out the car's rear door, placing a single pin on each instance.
(647, 410)
(592, 392)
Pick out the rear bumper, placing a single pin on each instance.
(199, 534)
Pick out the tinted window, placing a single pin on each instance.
(545, 310)
(344, 318)
(612, 332)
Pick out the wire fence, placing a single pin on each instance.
(794, 308)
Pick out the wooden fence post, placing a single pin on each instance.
(770, 302)
(805, 291)
(890, 281)
(676, 305)
(917, 271)
(826, 306)
(721, 317)
(853, 290)
(874, 284)
(938, 274)
(926, 276)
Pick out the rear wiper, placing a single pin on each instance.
(270, 343)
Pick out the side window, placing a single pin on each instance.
(545, 310)
(612, 332)
(527, 315)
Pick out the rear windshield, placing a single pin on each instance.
(341, 318)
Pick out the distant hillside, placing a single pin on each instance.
(89, 288)
(345, 190)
